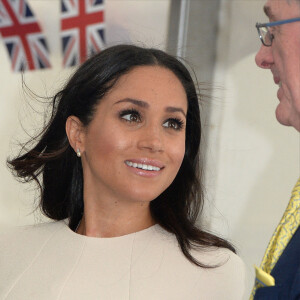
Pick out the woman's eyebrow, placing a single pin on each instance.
(144, 104)
(134, 101)
(175, 109)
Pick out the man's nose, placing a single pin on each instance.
(264, 57)
(151, 138)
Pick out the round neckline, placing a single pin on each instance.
(125, 236)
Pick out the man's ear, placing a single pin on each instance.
(75, 132)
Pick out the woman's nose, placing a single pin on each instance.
(151, 139)
(264, 57)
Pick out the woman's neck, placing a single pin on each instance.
(114, 220)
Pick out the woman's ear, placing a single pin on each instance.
(75, 132)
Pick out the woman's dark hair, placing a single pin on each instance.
(176, 209)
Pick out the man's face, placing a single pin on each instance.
(283, 59)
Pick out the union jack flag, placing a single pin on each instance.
(22, 35)
(82, 25)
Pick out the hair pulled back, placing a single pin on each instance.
(61, 185)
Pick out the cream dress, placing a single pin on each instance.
(50, 261)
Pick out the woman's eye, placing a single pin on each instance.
(175, 124)
(131, 116)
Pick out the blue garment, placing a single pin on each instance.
(286, 273)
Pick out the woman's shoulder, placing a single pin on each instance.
(209, 256)
(223, 276)
(221, 258)
(226, 276)
(30, 231)
(19, 246)
(24, 240)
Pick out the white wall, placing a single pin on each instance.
(255, 160)
(140, 22)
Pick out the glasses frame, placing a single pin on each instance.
(271, 24)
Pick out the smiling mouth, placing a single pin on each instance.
(142, 166)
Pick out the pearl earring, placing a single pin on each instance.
(78, 153)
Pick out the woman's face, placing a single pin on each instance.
(135, 144)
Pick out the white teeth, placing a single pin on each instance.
(142, 166)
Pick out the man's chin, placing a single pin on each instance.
(282, 114)
(285, 117)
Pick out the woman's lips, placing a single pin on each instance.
(138, 162)
(145, 167)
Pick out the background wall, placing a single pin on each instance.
(251, 161)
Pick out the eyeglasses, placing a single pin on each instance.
(264, 33)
